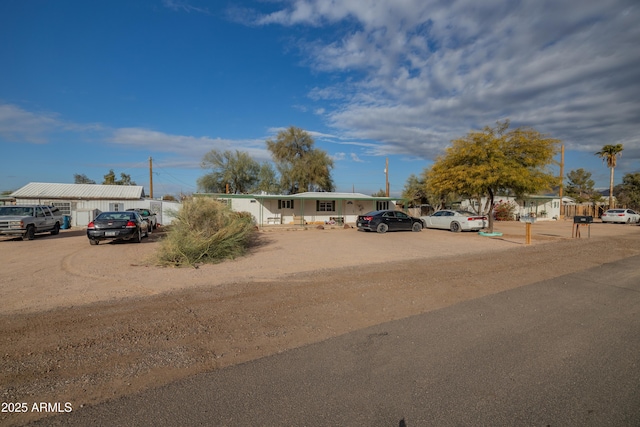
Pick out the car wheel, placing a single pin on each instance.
(138, 238)
(416, 226)
(628, 220)
(56, 229)
(455, 227)
(382, 228)
(30, 234)
(93, 242)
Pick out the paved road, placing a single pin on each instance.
(563, 352)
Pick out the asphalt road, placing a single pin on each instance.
(562, 352)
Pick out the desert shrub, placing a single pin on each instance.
(504, 211)
(206, 231)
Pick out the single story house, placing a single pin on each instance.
(543, 207)
(305, 208)
(83, 202)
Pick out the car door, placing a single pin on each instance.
(403, 221)
(40, 220)
(438, 220)
(390, 219)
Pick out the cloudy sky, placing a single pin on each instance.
(90, 86)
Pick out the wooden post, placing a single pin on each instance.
(528, 233)
(386, 172)
(561, 181)
(150, 178)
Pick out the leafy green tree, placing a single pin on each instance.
(267, 179)
(82, 179)
(628, 193)
(484, 163)
(302, 167)
(610, 154)
(236, 169)
(110, 179)
(415, 191)
(580, 185)
(379, 193)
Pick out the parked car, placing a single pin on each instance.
(117, 226)
(148, 216)
(455, 221)
(27, 220)
(388, 220)
(621, 215)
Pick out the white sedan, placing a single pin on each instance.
(621, 215)
(455, 221)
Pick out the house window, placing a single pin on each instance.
(285, 204)
(225, 201)
(116, 207)
(325, 205)
(382, 205)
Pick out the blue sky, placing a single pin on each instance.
(90, 86)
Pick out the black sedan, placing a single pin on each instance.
(117, 226)
(387, 220)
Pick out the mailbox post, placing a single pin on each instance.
(528, 220)
(580, 221)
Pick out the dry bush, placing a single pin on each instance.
(206, 231)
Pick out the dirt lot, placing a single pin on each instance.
(83, 324)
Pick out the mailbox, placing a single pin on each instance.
(581, 219)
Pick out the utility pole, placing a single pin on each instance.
(150, 177)
(386, 173)
(561, 180)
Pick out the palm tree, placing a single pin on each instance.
(610, 153)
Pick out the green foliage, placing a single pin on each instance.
(110, 179)
(628, 193)
(504, 211)
(237, 169)
(302, 167)
(610, 154)
(495, 160)
(83, 179)
(379, 193)
(267, 180)
(206, 231)
(415, 191)
(580, 185)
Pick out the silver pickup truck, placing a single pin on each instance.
(27, 220)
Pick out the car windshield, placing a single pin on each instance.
(117, 216)
(16, 211)
(615, 211)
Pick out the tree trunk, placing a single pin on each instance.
(611, 189)
(490, 211)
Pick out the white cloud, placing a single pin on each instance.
(186, 146)
(418, 73)
(19, 125)
(355, 158)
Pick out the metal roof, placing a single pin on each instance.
(44, 190)
(307, 196)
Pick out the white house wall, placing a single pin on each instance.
(549, 205)
(85, 211)
(265, 210)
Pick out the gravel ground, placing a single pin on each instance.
(83, 324)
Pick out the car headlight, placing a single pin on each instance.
(15, 224)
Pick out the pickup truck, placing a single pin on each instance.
(27, 220)
(148, 216)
